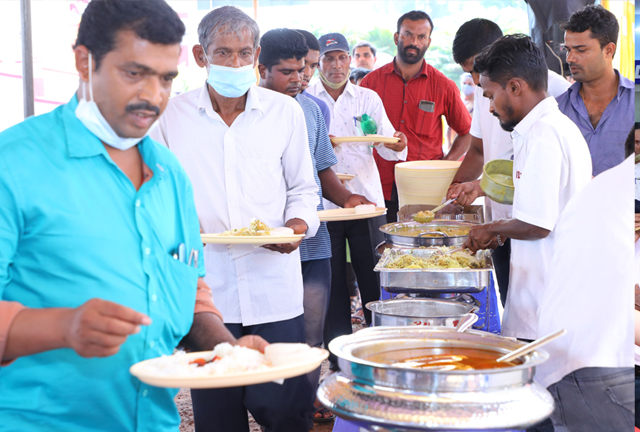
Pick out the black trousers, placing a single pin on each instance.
(502, 264)
(279, 408)
(363, 236)
(393, 205)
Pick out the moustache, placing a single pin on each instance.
(573, 65)
(411, 47)
(144, 106)
(495, 115)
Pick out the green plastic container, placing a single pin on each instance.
(497, 181)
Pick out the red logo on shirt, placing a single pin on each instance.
(518, 174)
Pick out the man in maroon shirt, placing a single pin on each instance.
(415, 95)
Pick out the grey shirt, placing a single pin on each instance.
(606, 141)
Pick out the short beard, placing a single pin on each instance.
(410, 60)
(510, 124)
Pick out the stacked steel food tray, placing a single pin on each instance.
(432, 281)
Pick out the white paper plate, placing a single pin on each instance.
(367, 139)
(347, 214)
(346, 177)
(250, 240)
(299, 366)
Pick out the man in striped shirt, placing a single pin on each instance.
(282, 61)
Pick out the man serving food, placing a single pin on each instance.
(88, 230)
(551, 164)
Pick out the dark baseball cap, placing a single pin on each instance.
(333, 42)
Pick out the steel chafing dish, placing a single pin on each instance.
(435, 233)
(386, 397)
(418, 312)
(431, 280)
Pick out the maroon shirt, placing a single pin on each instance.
(423, 130)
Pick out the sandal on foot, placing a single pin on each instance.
(323, 415)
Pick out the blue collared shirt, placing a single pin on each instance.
(322, 157)
(606, 141)
(72, 228)
(324, 108)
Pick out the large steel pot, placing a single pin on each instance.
(384, 397)
(418, 312)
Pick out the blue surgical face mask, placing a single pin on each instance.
(89, 114)
(468, 90)
(231, 82)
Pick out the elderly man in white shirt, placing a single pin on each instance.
(488, 140)
(551, 164)
(245, 150)
(347, 101)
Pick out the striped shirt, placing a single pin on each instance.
(322, 157)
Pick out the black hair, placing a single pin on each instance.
(602, 23)
(630, 143)
(472, 37)
(151, 20)
(312, 41)
(415, 15)
(358, 73)
(364, 44)
(281, 44)
(513, 56)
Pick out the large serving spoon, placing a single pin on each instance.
(532, 346)
(429, 215)
(466, 321)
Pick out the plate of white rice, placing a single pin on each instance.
(229, 366)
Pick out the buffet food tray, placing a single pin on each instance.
(413, 233)
(431, 280)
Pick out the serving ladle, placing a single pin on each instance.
(431, 214)
(532, 346)
(466, 321)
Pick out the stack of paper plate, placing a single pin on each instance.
(424, 182)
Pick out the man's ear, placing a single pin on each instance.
(199, 56)
(82, 62)
(262, 70)
(609, 50)
(396, 35)
(515, 86)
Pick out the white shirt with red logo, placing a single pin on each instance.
(551, 164)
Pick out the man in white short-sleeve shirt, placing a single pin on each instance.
(551, 164)
(246, 151)
(488, 140)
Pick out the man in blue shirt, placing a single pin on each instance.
(601, 101)
(311, 61)
(92, 212)
(281, 67)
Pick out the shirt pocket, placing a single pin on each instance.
(178, 286)
(426, 124)
(262, 179)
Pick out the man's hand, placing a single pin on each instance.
(299, 227)
(334, 145)
(98, 327)
(465, 193)
(252, 341)
(637, 226)
(400, 145)
(356, 200)
(481, 237)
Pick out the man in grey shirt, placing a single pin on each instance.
(601, 101)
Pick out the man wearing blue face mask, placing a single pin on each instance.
(246, 151)
(92, 211)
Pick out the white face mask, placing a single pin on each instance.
(90, 116)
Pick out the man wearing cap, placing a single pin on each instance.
(416, 95)
(347, 102)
